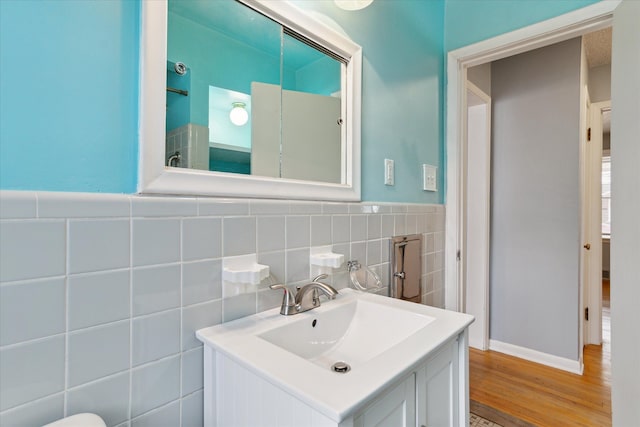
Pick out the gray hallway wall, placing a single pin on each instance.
(535, 224)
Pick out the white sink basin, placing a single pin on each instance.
(381, 338)
(353, 333)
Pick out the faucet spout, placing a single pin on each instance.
(308, 296)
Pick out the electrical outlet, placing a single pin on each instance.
(429, 174)
(389, 172)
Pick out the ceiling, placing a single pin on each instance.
(598, 47)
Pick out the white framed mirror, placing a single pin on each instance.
(158, 171)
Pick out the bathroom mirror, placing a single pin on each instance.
(295, 80)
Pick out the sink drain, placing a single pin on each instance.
(341, 367)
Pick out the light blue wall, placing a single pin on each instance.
(403, 69)
(470, 21)
(69, 95)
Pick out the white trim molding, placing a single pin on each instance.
(569, 365)
(155, 177)
(573, 24)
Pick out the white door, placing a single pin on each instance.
(477, 215)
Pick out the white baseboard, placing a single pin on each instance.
(573, 366)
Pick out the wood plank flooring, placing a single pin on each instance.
(546, 396)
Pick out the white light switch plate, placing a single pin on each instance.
(429, 174)
(389, 172)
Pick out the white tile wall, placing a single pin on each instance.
(100, 295)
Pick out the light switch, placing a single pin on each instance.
(429, 174)
(389, 172)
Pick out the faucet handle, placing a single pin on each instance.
(288, 300)
(319, 277)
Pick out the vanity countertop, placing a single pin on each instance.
(334, 394)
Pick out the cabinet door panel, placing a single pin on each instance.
(396, 408)
(437, 389)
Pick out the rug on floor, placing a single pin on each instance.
(491, 417)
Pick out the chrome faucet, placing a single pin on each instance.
(306, 298)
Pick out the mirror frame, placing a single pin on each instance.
(156, 178)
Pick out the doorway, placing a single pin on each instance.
(484, 52)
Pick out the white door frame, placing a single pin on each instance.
(476, 216)
(573, 24)
(593, 295)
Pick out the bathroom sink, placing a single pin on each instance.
(380, 339)
(351, 333)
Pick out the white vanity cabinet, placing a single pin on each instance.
(409, 366)
(430, 396)
(435, 394)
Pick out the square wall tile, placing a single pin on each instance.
(271, 233)
(31, 310)
(98, 298)
(298, 267)
(192, 409)
(35, 413)
(155, 336)
(155, 288)
(201, 238)
(373, 252)
(154, 385)
(276, 263)
(238, 306)
(197, 317)
(32, 249)
(320, 230)
(108, 398)
(201, 281)
(374, 226)
(168, 415)
(156, 241)
(298, 231)
(358, 228)
(239, 236)
(97, 352)
(388, 225)
(98, 245)
(341, 229)
(30, 371)
(192, 371)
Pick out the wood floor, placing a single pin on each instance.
(546, 396)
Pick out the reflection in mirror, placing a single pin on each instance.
(238, 59)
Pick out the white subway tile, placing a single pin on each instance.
(33, 309)
(31, 249)
(96, 245)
